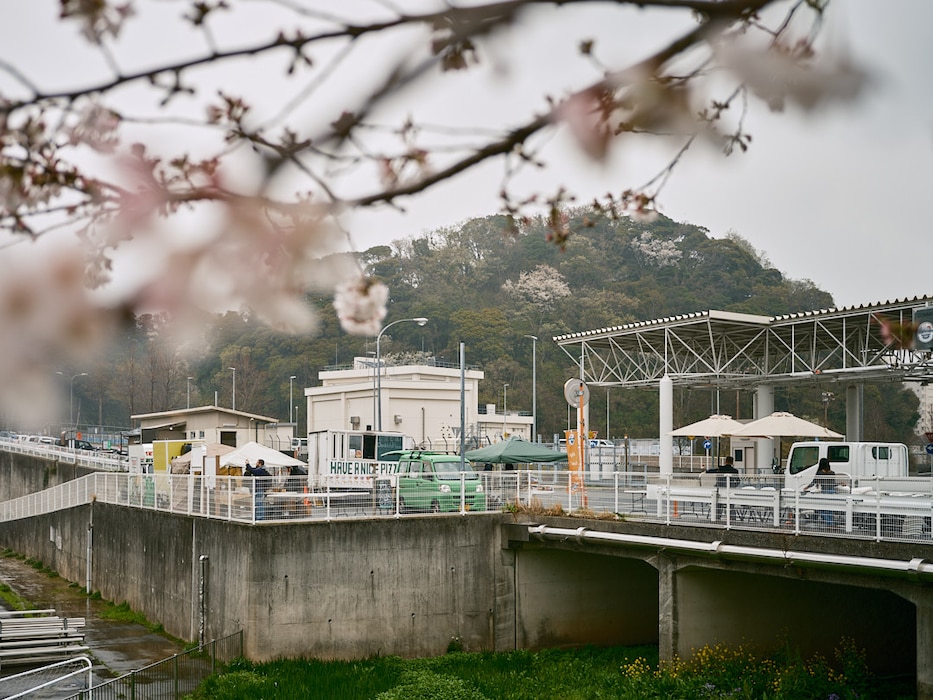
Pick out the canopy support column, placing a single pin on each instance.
(666, 425)
(855, 394)
(764, 447)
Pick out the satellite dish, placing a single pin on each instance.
(576, 392)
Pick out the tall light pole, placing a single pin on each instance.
(534, 387)
(71, 397)
(233, 402)
(505, 406)
(372, 363)
(420, 321)
(189, 391)
(291, 402)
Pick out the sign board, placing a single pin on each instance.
(707, 444)
(576, 392)
(930, 449)
(923, 320)
(384, 497)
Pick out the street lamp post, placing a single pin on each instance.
(233, 401)
(71, 397)
(291, 402)
(189, 391)
(505, 406)
(534, 387)
(420, 321)
(372, 363)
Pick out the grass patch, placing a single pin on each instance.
(41, 568)
(620, 673)
(13, 600)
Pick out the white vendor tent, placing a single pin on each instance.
(253, 452)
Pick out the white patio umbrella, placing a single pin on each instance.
(781, 424)
(714, 426)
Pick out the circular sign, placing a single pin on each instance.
(707, 444)
(930, 449)
(576, 392)
(925, 332)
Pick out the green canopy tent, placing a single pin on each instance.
(515, 450)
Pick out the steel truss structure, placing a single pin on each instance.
(718, 349)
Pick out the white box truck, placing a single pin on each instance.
(888, 460)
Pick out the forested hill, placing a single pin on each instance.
(614, 270)
(490, 287)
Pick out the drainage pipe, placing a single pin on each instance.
(916, 568)
(89, 554)
(202, 595)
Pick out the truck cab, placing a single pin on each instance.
(433, 482)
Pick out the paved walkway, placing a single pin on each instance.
(116, 648)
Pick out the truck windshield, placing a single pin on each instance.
(451, 470)
(803, 457)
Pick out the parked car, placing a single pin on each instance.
(431, 481)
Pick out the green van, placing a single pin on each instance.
(431, 481)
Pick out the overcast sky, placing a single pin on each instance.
(839, 198)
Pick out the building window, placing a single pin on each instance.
(202, 434)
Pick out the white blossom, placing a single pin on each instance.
(96, 127)
(361, 306)
(542, 286)
(656, 252)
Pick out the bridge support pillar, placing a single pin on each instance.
(925, 647)
(667, 608)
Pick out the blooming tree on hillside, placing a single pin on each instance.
(204, 160)
(541, 287)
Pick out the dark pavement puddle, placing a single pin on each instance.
(116, 647)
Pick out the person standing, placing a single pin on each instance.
(728, 467)
(825, 481)
(260, 486)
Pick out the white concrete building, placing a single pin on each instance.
(422, 401)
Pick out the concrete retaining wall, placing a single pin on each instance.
(22, 474)
(330, 590)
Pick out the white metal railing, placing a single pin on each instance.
(41, 681)
(877, 508)
(87, 458)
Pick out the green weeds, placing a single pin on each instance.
(620, 673)
(12, 599)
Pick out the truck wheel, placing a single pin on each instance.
(435, 506)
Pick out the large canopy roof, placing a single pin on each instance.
(719, 349)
